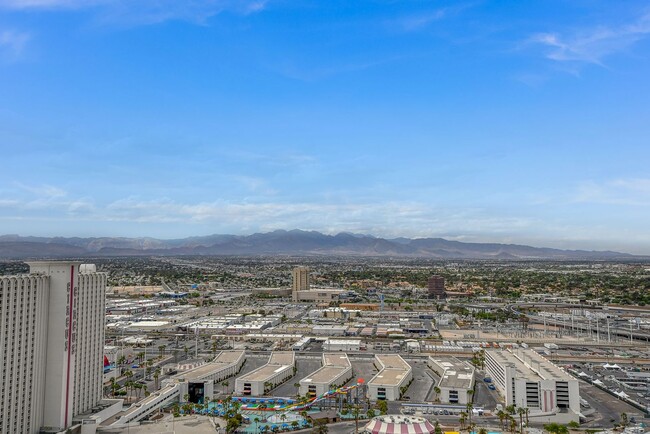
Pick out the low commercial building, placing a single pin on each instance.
(528, 380)
(342, 344)
(456, 379)
(317, 295)
(335, 372)
(279, 369)
(199, 383)
(392, 379)
(329, 330)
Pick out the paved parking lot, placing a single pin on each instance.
(484, 397)
(423, 382)
(304, 368)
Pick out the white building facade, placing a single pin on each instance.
(52, 337)
(394, 375)
(279, 369)
(528, 380)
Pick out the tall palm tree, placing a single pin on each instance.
(502, 416)
(469, 407)
(225, 386)
(521, 412)
(437, 390)
(297, 386)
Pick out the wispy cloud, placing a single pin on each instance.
(623, 191)
(593, 45)
(137, 12)
(418, 21)
(422, 19)
(12, 44)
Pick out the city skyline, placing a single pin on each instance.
(476, 121)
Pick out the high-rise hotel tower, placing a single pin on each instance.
(51, 342)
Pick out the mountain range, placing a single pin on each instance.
(281, 242)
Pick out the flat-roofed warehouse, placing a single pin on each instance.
(277, 370)
(394, 373)
(199, 382)
(342, 344)
(456, 378)
(335, 372)
(528, 380)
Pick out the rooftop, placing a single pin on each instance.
(529, 364)
(333, 366)
(457, 374)
(224, 360)
(279, 361)
(393, 371)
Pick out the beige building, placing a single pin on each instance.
(279, 369)
(394, 374)
(300, 281)
(52, 337)
(335, 372)
(528, 380)
(456, 379)
(300, 290)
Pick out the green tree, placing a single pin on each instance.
(556, 428)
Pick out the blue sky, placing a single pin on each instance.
(503, 121)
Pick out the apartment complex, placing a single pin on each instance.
(528, 380)
(52, 337)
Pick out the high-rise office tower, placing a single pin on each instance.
(436, 286)
(52, 337)
(300, 281)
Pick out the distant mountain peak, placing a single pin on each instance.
(283, 242)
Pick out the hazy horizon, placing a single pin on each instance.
(486, 121)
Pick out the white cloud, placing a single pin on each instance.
(135, 12)
(592, 45)
(13, 43)
(622, 191)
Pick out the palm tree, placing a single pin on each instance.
(624, 420)
(521, 411)
(214, 348)
(469, 407)
(437, 390)
(294, 424)
(297, 386)
(527, 411)
(225, 386)
(156, 376)
(461, 419)
(502, 416)
(186, 350)
(186, 397)
(320, 428)
(513, 425)
(161, 350)
(482, 431)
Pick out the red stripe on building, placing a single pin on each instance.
(67, 382)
